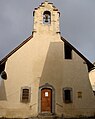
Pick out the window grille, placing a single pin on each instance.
(25, 94)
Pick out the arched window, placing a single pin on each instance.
(46, 17)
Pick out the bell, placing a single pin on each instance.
(46, 17)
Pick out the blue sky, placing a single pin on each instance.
(77, 23)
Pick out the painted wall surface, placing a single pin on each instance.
(41, 62)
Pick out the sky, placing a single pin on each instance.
(77, 24)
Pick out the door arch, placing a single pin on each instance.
(46, 94)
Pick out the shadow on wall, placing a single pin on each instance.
(52, 70)
(51, 78)
(2, 90)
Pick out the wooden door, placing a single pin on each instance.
(46, 100)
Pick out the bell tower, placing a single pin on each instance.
(46, 19)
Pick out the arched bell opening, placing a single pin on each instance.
(46, 17)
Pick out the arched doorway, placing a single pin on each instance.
(46, 99)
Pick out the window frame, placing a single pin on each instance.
(29, 95)
(71, 95)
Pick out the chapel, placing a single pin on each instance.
(45, 76)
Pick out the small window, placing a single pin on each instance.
(67, 95)
(46, 17)
(25, 94)
(68, 51)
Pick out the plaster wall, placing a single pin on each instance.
(41, 61)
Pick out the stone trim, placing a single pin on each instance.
(53, 97)
(25, 87)
(71, 94)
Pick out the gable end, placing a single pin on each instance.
(89, 64)
(13, 51)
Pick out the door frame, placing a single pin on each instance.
(53, 97)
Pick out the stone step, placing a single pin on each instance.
(47, 116)
(50, 117)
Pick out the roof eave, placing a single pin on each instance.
(14, 50)
(89, 64)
